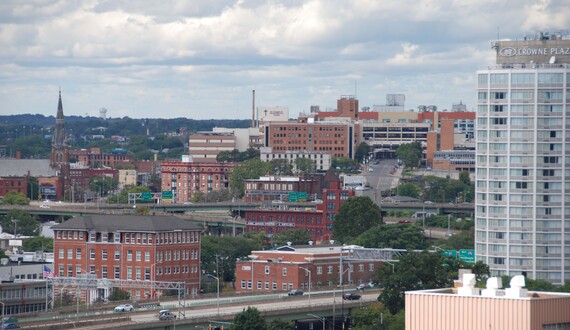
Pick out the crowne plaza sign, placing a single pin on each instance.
(533, 51)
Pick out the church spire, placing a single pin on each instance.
(59, 138)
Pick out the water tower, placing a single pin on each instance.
(102, 113)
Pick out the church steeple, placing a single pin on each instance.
(59, 155)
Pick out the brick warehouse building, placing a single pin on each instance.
(128, 247)
(288, 268)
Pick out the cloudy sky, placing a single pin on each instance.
(202, 58)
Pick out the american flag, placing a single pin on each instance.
(47, 272)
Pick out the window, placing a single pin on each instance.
(266, 270)
(147, 274)
(243, 284)
(329, 269)
(117, 272)
(92, 254)
(117, 254)
(284, 271)
(104, 272)
(147, 256)
(69, 253)
(78, 254)
(249, 284)
(104, 254)
(129, 255)
(60, 253)
(138, 254)
(319, 270)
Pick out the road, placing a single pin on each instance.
(380, 178)
(283, 304)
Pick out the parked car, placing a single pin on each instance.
(124, 308)
(363, 286)
(166, 314)
(11, 326)
(295, 293)
(351, 296)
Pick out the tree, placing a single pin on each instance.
(343, 163)
(410, 153)
(123, 196)
(362, 152)
(219, 254)
(394, 236)
(279, 324)
(305, 166)
(38, 243)
(281, 167)
(413, 271)
(118, 295)
(15, 198)
(355, 216)
(463, 240)
(20, 223)
(409, 189)
(375, 317)
(102, 184)
(249, 319)
(249, 169)
(295, 236)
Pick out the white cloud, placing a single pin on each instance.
(202, 58)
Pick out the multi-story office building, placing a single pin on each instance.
(204, 147)
(138, 248)
(185, 178)
(523, 156)
(335, 137)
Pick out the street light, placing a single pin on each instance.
(320, 318)
(307, 270)
(218, 292)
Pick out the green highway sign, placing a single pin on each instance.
(293, 196)
(167, 194)
(449, 253)
(297, 196)
(146, 196)
(467, 256)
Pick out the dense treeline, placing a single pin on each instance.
(31, 134)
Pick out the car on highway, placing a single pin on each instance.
(10, 326)
(295, 292)
(166, 314)
(124, 308)
(350, 296)
(44, 206)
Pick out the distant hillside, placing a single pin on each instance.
(120, 126)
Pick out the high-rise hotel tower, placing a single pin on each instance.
(523, 159)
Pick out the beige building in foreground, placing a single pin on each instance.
(488, 309)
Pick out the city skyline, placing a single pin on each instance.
(202, 59)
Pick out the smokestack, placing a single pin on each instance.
(253, 110)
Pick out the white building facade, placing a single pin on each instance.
(523, 159)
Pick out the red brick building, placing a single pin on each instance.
(336, 138)
(147, 248)
(187, 178)
(288, 268)
(95, 158)
(318, 223)
(12, 183)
